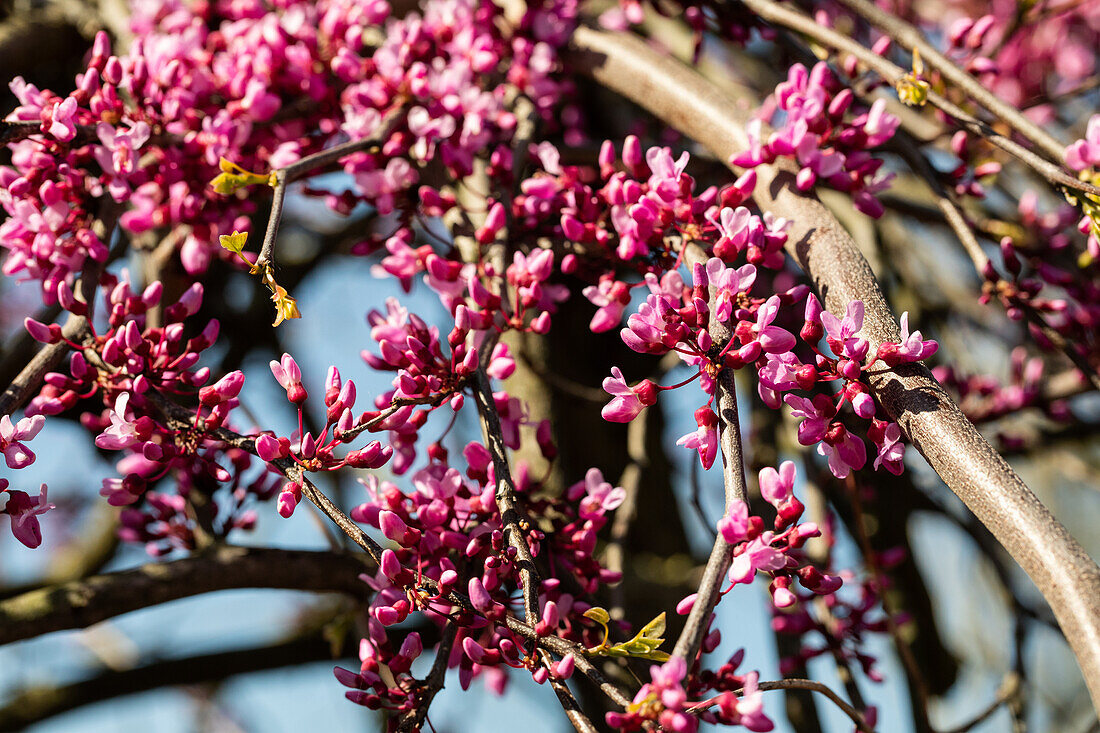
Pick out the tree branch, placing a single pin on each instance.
(37, 704)
(1064, 573)
(301, 168)
(81, 603)
(510, 518)
(433, 683)
(733, 480)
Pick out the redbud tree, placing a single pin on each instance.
(777, 278)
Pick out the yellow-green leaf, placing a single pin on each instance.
(234, 242)
(598, 615)
(233, 177)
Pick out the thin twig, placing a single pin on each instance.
(568, 700)
(812, 685)
(1010, 689)
(908, 36)
(81, 603)
(955, 219)
(301, 168)
(514, 525)
(433, 683)
(733, 478)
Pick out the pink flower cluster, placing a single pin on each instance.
(817, 133)
(450, 521)
(675, 318)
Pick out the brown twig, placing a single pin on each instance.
(37, 703)
(733, 478)
(814, 686)
(432, 684)
(514, 525)
(81, 603)
(1010, 689)
(955, 219)
(301, 168)
(908, 36)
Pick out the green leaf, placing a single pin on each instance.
(643, 646)
(599, 615)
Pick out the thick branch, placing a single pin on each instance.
(1064, 573)
(81, 603)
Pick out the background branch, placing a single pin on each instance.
(81, 603)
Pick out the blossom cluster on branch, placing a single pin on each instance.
(437, 121)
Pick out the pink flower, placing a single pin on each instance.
(845, 451)
(758, 554)
(705, 438)
(24, 512)
(1085, 153)
(626, 401)
(816, 415)
(122, 433)
(747, 711)
(63, 126)
(772, 339)
(777, 486)
(655, 327)
(289, 377)
(728, 283)
(610, 298)
(912, 348)
(843, 335)
(17, 455)
(891, 451)
(878, 124)
(118, 155)
(600, 497)
(735, 525)
(664, 179)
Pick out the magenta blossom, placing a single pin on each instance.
(777, 486)
(816, 415)
(17, 455)
(843, 335)
(757, 554)
(597, 496)
(24, 510)
(913, 346)
(846, 452)
(772, 339)
(728, 284)
(1085, 153)
(122, 432)
(705, 438)
(626, 401)
(891, 451)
